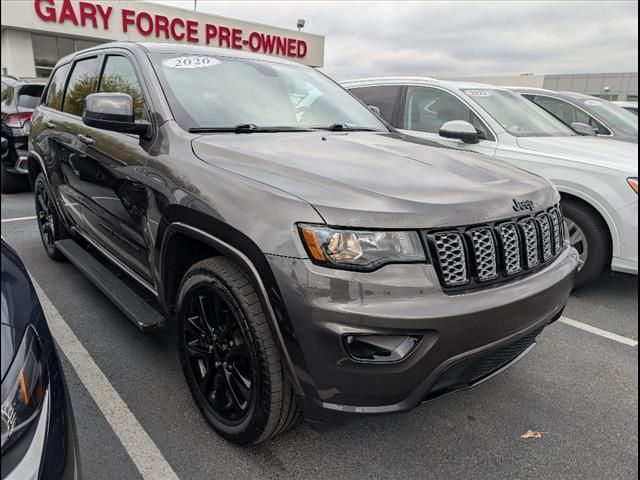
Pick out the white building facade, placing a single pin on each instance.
(36, 33)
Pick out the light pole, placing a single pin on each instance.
(195, 5)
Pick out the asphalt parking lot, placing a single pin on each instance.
(578, 387)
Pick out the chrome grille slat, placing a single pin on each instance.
(556, 226)
(484, 249)
(545, 233)
(452, 258)
(510, 247)
(530, 236)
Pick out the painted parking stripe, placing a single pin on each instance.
(19, 219)
(598, 331)
(140, 447)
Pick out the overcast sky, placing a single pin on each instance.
(455, 38)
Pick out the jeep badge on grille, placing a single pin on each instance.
(521, 205)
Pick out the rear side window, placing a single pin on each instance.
(383, 97)
(56, 88)
(119, 76)
(82, 82)
(29, 95)
(6, 93)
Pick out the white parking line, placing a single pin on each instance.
(140, 447)
(598, 331)
(19, 219)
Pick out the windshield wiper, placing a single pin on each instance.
(247, 128)
(343, 127)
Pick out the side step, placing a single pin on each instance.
(132, 305)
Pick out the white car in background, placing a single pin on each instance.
(598, 179)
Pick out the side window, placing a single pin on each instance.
(6, 93)
(56, 88)
(427, 109)
(82, 82)
(567, 113)
(383, 97)
(119, 76)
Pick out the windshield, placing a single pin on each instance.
(218, 92)
(517, 115)
(615, 115)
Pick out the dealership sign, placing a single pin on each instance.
(143, 21)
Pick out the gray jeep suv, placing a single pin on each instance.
(313, 260)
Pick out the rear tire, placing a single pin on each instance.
(12, 182)
(49, 224)
(590, 236)
(229, 356)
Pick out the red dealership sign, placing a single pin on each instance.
(163, 27)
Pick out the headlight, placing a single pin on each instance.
(633, 183)
(358, 249)
(23, 389)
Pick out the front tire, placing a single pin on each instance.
(589, 235)
(228, 354)
(49, 224)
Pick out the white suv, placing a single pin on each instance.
(598, 179)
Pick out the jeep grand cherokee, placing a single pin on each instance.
(314, 260)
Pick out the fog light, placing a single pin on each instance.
(380, 348)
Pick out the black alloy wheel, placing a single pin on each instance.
(51, 230)
(218, 354)
(228, 354)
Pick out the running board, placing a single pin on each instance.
(143, 315)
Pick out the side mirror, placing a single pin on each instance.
(459, 129)
(375, 110)
(583, 128)
(113, 111)
(5, 145)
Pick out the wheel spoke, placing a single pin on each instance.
(202, 311)
(193, 325)
(236, 392)
(196, 348)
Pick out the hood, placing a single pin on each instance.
(378, 180)
(603, 152)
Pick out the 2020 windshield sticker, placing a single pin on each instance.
(478, 93)
(191, 61)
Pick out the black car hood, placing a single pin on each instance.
(375, 179)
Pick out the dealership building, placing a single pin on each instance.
(609, 86)
(37, 33)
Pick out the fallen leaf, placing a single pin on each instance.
(532, 434)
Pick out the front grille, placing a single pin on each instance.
(473, 256)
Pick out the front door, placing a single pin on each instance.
(426, 109)
(111, 166)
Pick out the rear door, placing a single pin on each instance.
(112, 167)
(54, 137)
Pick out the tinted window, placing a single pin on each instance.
(567, 112)
(383, 97)
(427, 109)
(82, 82)
(29, 95)
(120, 77)
(56, 88)
(6, 93)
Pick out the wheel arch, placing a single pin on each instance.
(598, 209)
(218, 238)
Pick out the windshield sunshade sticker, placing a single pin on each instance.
(478, 93)
(191, 61)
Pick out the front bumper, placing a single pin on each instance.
(325, 306)
(626, 259)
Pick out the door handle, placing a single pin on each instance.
(85, 139)
(49, 124)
